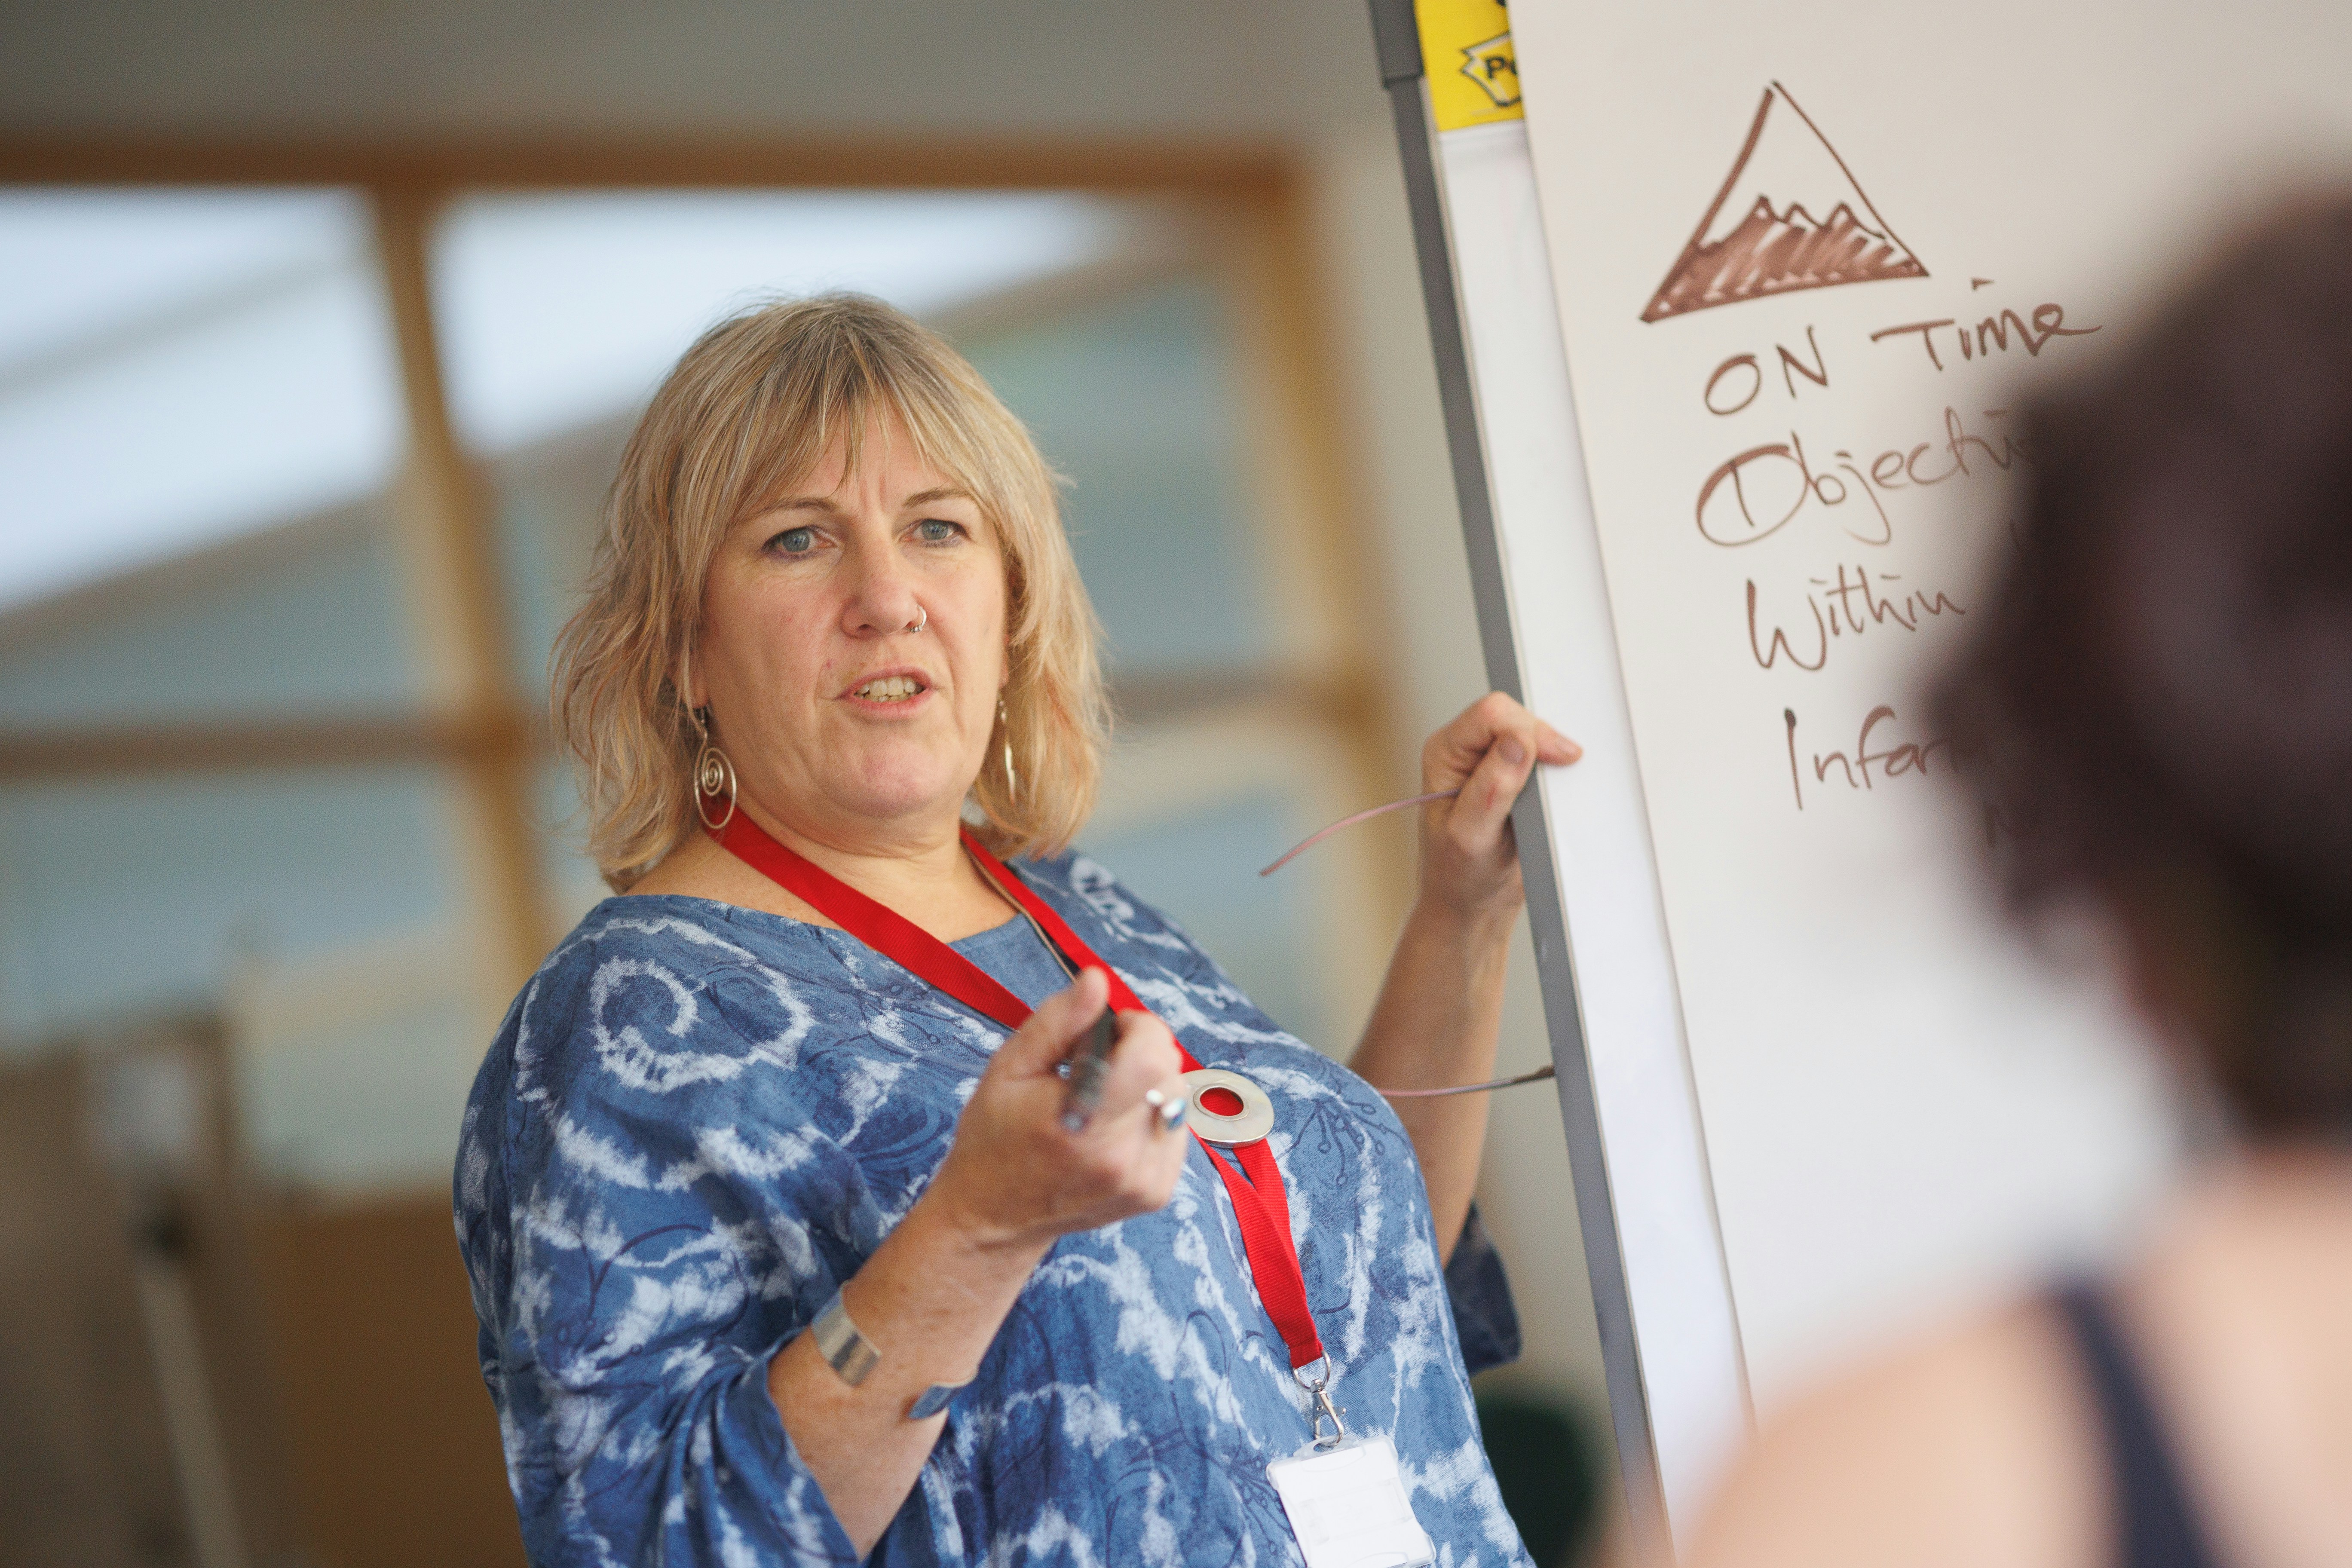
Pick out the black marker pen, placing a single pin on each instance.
(1088, 1068)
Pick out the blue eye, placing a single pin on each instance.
(794, 540)
(935, 531)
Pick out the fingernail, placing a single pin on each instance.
(1513, 753)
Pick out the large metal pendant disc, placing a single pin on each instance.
(1226, 1128)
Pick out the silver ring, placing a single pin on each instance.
(923, 612)
(1171, 1113)
(1218, 1121)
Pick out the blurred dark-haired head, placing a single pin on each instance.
(2159, 702)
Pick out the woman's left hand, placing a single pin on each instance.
(1438, 1018)
(1469, 861)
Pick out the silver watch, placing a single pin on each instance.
(852, 1356)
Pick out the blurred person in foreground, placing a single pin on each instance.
(789, 1241)
(2159, 700)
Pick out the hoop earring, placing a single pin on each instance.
(1005, 725)
(714, 775)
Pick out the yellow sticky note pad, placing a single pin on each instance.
(1465, 48)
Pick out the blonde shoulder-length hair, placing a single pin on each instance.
(752, 408)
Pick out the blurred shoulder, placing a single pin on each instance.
(1969, 1447)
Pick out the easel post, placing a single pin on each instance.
(1669, 1335)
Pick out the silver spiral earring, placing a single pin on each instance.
(714, 775)
(1011, 779)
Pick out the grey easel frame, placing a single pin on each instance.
(1398, 40)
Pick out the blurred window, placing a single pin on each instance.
(155, 894)
(307, 620)
(276, 790)
(202, 395)
(1134, 397)
(176, 369)
(558, 313)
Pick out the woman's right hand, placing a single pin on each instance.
(1016, 1176)
(933, 1295)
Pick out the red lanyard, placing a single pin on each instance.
(1259, 1200)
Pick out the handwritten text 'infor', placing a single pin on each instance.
(1854, 769)
(1755, 494)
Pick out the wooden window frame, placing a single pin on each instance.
(477, 723)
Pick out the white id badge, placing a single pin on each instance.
(1349, 1509)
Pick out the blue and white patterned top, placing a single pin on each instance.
(698, 1120)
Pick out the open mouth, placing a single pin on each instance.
(890, 688)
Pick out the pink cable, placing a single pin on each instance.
(1312, 839)
(1310, 842)
(1365, 817)
(1538, 1076)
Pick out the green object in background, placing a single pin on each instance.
(1549, 1464)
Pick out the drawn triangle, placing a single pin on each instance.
(1790, 215)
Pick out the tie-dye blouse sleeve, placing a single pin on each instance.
(698, 1122)
(663, 1216)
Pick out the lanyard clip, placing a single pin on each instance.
(1323, 1410)
(1326, 1411)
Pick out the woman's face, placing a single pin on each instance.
(844, 725)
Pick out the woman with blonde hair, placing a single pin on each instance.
(875, 1176)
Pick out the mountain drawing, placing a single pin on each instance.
(1790, 215)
